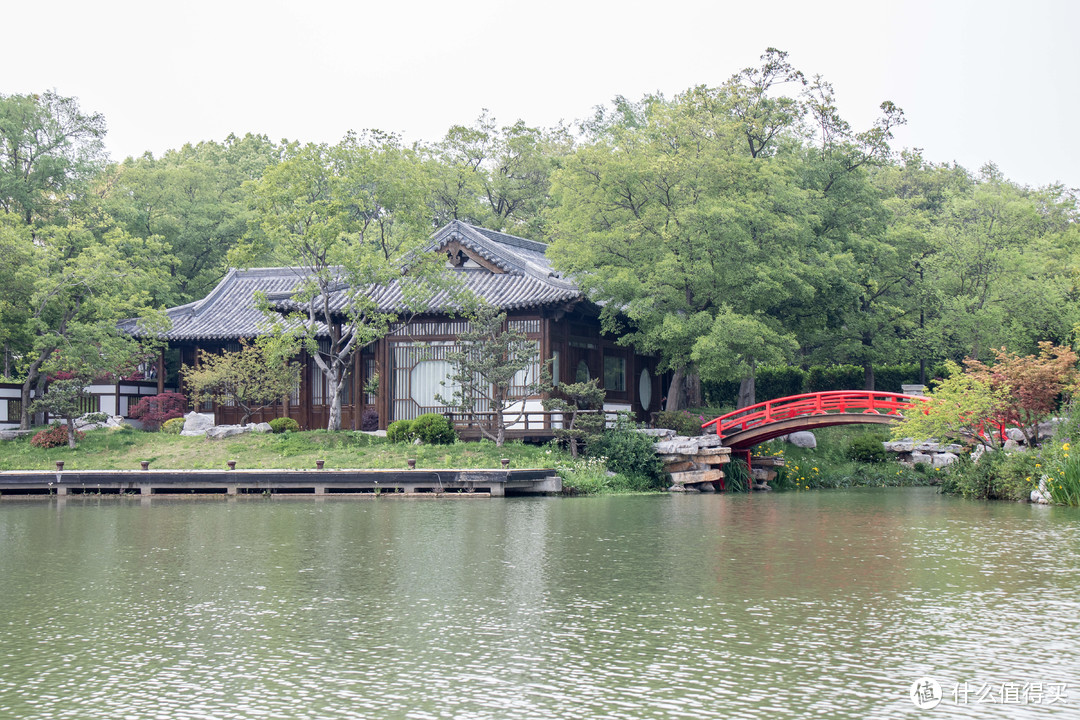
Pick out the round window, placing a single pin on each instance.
(644, 389)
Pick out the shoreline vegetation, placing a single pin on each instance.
(827, 466)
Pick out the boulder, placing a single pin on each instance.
(196, 424)
(658, 433)
(943, 459)
(802, 439)
(900, 446)
(918, 457)
(261, 427)
(1015, 434)
(223, 431)
(928, 446)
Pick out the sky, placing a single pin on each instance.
(980, 81)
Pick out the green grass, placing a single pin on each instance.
(124, 449)
(828, 465)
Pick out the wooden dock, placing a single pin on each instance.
(415, 483)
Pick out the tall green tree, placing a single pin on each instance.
(349, 217)
(193, 199)
(47, 145)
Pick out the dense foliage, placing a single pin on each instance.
(55, 436)
(156, 409)
(284, 424)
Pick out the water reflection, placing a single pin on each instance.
(827, 603)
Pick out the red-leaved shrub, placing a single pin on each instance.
(55, 436)
(156, 409)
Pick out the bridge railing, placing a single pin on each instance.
(820, 403)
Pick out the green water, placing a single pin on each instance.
(826, 604)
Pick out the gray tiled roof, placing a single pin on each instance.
(229, 311)
(528, 280)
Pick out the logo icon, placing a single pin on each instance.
(925, 693)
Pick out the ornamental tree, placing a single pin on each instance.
(962, 407)
(251, 379)
(1031, 386)
(488, 368)
(65, 398)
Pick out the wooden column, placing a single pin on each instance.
(161, 372)
(356, 399)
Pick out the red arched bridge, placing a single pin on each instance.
(743, 429)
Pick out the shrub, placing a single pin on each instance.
(369, 420)
(156, 409)
(284, 424)
(173, 426)
(680, 421)
(629, 453)
(400, 431)
(867, 448)
(433, 429)
(997, 476)
(55, 436)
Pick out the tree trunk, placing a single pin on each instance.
(922, 371)
(675, 390)
(334, 390)
(31, 377)
(693, 389)
(868, 376)
(747, 389)
(71, 431)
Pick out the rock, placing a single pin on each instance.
(682, 445)
(943, 459)
(953, 448)
(927, 447)
(1041, 496)
(1012, 446)
(223, 431)
(802, 439)
(261, 428)
(913, 389)
(900, 446)
(677, 488)
(706, 488)
(1015, 434)
(918, 457)
(978, 452)
(761, 487)
(658, 433)
(196, 424)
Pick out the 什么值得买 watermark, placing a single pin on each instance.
(927, 693)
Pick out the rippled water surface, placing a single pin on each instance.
(822, 604)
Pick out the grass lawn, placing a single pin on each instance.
(123, 449)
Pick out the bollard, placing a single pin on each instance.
(231, 464)
(412, 463)
(145, 464)
(59, 465)
(319, 464)
(505, 463)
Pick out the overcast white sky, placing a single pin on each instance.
(980, 80)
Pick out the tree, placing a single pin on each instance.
(678, 214)
(962, 407)
(78, 287)
(194, 200)
(47, 144)
(582, 408)
(349, 218)
(494, 367)
(1031, 386)
(65, 398)
(251, 379)
(497, 177)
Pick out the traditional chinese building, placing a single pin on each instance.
(506, 271)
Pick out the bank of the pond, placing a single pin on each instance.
(125, 449)
(840, 460)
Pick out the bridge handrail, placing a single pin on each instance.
(819, 403)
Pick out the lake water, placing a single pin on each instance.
(825, 604)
